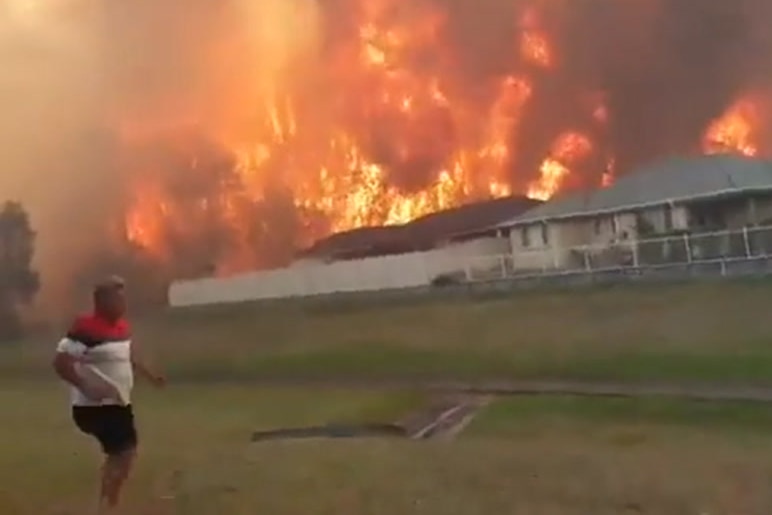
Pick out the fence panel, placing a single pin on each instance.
(663, 251)
(760, 241)
(718, 246)
(611, 257)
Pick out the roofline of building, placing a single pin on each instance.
(630, 207)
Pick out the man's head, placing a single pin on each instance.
(110, 298)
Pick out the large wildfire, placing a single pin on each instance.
(243, 130)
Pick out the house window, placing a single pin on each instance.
(525, 237)
(545, 234)
(598, 226)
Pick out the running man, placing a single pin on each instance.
(99, 344)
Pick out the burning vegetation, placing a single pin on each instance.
(240, 131)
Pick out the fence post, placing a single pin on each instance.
(636, 263)
(688, 246)
(503, 262)
(747, 242)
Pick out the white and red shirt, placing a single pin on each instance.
(104, 345)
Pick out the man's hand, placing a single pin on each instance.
(156, 379)
(140, 366)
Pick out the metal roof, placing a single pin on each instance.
(670, 181)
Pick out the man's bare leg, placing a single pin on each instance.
(115, 471)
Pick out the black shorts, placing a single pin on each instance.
(112, 426)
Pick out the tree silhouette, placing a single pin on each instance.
(18, 281)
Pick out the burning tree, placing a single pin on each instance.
(18, 281)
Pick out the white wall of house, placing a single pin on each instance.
(665, 218)
(550, 245)
(562, 243)
(533, 246)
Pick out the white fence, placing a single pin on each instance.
(304, 280)
(421, 269)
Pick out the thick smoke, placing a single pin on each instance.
(665, 67)
(96, 94)
(668, 67)
(90, 90)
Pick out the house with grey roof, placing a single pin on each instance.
(676, 196)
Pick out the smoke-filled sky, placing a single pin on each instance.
(113, 108)
(78, 73)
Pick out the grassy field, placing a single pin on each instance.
(708, 332)
(534, 456)
(47, 467)
(701, 332)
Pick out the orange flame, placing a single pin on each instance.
(568, 149)
(734, 131)
(535, 46)
(607, 179)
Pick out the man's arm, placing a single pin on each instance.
(142, 368)
(64, 366)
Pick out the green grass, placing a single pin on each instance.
(557, 475)
(708, 332)
(519, 416)
(718, 331)
(699, 332)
